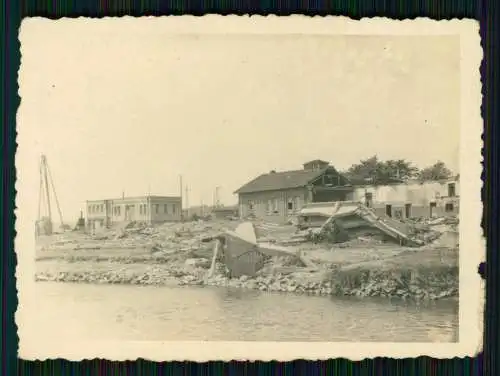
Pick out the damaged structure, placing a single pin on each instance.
(279, 196)
(149, 209)
(243, 254)
(411, 199)
(342, 221)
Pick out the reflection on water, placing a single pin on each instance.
(116, 312)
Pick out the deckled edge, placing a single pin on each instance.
(123, 348)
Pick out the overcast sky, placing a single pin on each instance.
(115, 109)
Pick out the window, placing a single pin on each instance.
(250, 205)
(448, 207)
(140, 209)
(157, 208)
(165, 208)
(290, 205)
(451, 190)
(174, 209)
(102, 208)
(388, 210)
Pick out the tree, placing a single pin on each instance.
(437, 171)
(380, 172)
(400, 168)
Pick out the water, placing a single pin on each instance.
(117, 312)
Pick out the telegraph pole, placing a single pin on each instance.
(180, 194)
(217, 202)
(187, 201)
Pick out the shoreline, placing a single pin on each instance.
(177, 254)
(420, 282)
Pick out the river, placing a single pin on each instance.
(120, 312)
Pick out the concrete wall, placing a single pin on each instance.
(272, 205)
(424, 199)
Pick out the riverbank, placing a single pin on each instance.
(159, 257)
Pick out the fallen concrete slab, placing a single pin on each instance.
(349, 219)
(243, 255)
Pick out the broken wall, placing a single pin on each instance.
(425, 199)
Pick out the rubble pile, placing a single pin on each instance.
(299, 261)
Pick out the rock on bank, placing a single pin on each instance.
(418, 274)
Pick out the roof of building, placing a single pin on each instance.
(281, 180)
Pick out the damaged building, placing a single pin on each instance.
(411, 199)
(278, 196)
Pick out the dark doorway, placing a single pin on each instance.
(369, 199)
(407, 210)
(432, 208)
(388, 210)
(451, 190)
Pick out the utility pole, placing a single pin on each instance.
(44, 174)
(46, 181)
(187, 201)
(180, 194)
(217, 202)
(150, 206)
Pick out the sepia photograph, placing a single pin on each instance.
(223, 183)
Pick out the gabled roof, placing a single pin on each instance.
(281, 180)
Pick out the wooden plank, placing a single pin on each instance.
(214, 258)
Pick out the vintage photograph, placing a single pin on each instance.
(248, 186)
